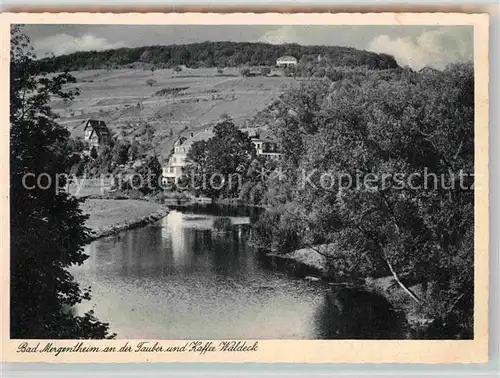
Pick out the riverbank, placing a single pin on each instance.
(111, 216)
(311, 265)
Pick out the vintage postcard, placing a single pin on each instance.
(270, 187)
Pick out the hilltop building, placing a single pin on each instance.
(428, 70)
(96, 133)
(286, 61)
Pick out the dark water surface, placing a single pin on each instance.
(179, 279)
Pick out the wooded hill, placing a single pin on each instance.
(215, 54)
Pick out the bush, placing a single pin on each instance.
(223, 224)
(93, 153)
(170, 91)
(245, 72)
(265, 70)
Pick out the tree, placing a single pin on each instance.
(222, 161)
(93, 153)
(153, 174)
(363, 126)
(120, 152)
(217, 54)
(47, 225)
(265, 71)
(151, 82)
(224, 117)
(134, 151)
(245, 72)
(147, 179)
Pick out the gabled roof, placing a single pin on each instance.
(203, 135)
(99, 127)
(286, 57)
(265, 137)
(252, 132)
(188, 140)
(428, 69)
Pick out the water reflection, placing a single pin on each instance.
(355, 314)
(178, 279)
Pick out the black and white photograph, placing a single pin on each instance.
(242, 182)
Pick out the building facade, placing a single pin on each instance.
(286, 61)
(265, 146)
(96, 133)
(173, 169)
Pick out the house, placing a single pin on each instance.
(96, 133)
(264, 143)
(286, 61)
(173, 169)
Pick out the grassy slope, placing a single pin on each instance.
(113, 95)
(110, 216)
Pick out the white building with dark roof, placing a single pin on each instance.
(173, 169)
(265, 145)
(286, 61)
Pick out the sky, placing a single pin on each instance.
(415, 46)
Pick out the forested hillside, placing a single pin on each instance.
(216, 54)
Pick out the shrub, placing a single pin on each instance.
(245, 72)
(223, 224)
(93, 153)
(265, 70)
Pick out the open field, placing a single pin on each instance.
(190, 99)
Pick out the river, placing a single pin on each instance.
(179, 279)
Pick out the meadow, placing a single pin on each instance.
(172, 102)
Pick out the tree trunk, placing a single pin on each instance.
(402, 285)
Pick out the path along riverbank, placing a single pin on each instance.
(111, 216)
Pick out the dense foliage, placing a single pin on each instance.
(119, 152)
(371, 168)
(143, 180)
(216, 54)
(216, 167)
(47, 226)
